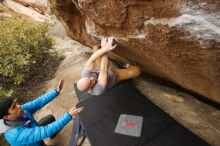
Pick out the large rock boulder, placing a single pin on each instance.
(178, 40)
(23, 11)
(38, 5)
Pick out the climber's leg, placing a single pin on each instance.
(128, 73)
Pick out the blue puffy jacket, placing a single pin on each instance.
(32, 134)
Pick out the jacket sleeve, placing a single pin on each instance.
(38, 133)
(41, 101)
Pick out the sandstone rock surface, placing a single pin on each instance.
(178, 40)
(25, 11)
(38, 5)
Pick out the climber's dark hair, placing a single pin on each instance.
(5, 104)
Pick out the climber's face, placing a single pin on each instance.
(14, 111)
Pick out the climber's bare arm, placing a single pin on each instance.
(106, 45)
(91, 62)
(103, 75)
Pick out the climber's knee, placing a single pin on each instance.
(129, 73)
(134, 71)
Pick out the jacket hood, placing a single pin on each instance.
(4, 128)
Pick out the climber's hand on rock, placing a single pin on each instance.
(107, 44)
(103, 42)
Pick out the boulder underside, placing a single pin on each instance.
(178, 40)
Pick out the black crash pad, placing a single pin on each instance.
(101, 115)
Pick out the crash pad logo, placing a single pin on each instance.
(129, 125)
